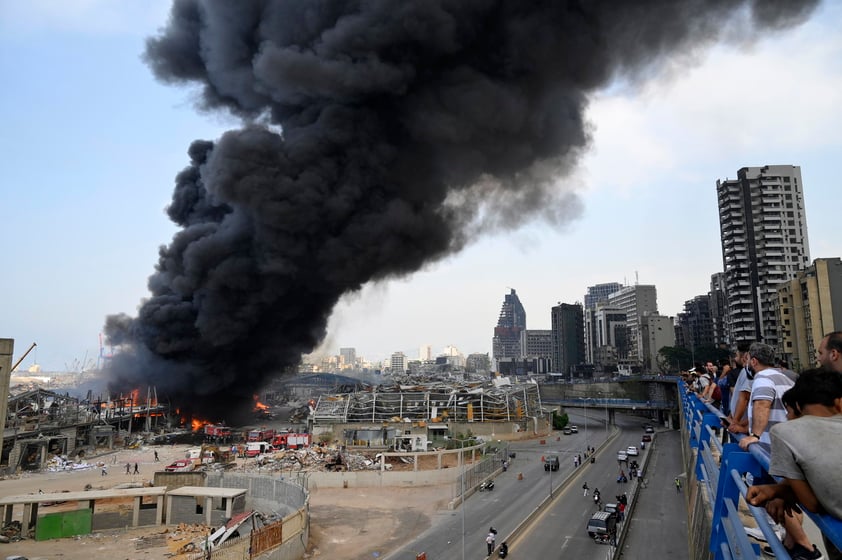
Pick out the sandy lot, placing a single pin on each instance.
(345, 523)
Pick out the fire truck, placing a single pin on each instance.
(263, 434)
(217, 432)
(289, 440)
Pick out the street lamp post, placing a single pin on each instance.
(462, 484)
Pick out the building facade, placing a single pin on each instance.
(635, 301)
(597, 295)
(656, 332)
(808, 307)
(511, 322)
(568, 338)
(763, 227)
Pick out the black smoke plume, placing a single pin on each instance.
(378, 137)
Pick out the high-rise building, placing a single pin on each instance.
(635, 301)
(695, 325)
(425, 353)
(512, 320)
(717, 308)
(610, 339)
(763, 226)
(809, 307)
(597, 295)
(568, 337)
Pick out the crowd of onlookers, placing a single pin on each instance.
(797, 418)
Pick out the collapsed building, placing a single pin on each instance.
(416, 417)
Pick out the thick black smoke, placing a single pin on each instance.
(379, 136)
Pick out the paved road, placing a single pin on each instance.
(658, 528)
(511, 501)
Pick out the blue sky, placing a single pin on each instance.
(91, 144)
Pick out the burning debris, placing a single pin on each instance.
(378, 137)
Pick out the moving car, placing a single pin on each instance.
(646, 438)
(574, 429)
(551, 463)
(632, 451)
(648, 429)
(567, 431)
(622, 455)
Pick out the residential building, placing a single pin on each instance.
(656, 332)
(512, 320)
(635, 301)
(763, 226)
(398, 362)
(695, 326)
(425, 353)
(808, 307)
(568, 338)
(717, 308)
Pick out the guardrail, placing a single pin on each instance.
(722, 468)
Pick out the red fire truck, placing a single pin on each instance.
(263, 434)
(289, 440)
(217, 432)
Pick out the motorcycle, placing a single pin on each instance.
(487, 485)
(504, 550)
(603, 539)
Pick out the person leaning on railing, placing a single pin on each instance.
(806, 452)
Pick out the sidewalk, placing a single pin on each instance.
(658, 528)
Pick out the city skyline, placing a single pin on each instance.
(93, 143)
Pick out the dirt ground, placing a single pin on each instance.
(369, 522)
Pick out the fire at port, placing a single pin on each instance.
(377, 137)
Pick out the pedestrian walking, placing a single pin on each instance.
(135, 469)
(104, 470)
(128, 468)
(156, 457)
(677, 484)
(490, 539)
(585, 488)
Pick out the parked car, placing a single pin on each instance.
(632, 451)
(181, 465)
(602, 523)
(551, 463)
(574, 429)
(622, 455)
(646, 438)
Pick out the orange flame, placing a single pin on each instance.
(259, 405)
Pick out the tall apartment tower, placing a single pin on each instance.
(347, 357)
(763, 227)
(567, 337)
(512, 320)
(635, 301)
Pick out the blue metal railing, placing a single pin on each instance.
(722, 469)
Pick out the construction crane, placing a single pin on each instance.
(25, 354)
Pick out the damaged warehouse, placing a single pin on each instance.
(413, 417)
